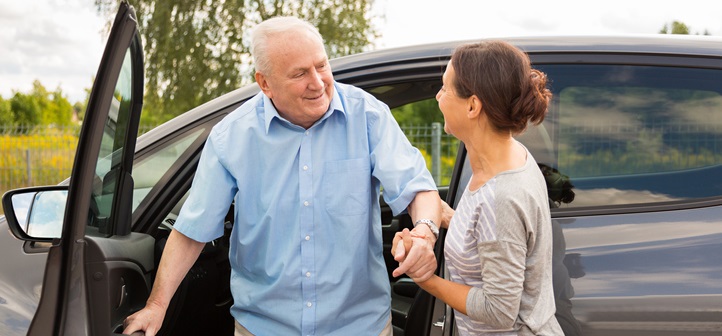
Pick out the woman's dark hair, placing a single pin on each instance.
(500, 75)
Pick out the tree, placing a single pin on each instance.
(422, 112)
(54, 108)
(26, 110)
(6, 113)
(60, 111)
(677, 27)
(38, 107)
(198, 50)
(81, 106)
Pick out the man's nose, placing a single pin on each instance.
(315, 80)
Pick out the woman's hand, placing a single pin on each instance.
(446, 213)
(415, 254)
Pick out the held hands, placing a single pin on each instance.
(414, 250)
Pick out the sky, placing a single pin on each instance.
(60, 42)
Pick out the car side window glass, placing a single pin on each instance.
(148, 170)
(625, 134)
(423, 124)
(111, 148)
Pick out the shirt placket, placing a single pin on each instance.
(308, 284)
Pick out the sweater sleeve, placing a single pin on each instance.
(502, 269)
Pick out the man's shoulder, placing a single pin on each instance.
(353, 92)
(239, 116)
(356, 97)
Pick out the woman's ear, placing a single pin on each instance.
(474, 107)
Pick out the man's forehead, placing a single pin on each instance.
(302, 58)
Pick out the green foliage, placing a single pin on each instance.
(59, 111)
(416, 120)
(81, 106)
(6, 113)
(38, 107)
(422, 112)
(198, 50)
(26, 110)
(447, 165)
(677, 27)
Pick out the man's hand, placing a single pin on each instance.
(405, 238)
(148, 319)
(415, 258)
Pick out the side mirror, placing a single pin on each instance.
(36, 213)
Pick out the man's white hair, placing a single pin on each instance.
(275, 26)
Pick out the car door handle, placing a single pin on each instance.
(123, 295)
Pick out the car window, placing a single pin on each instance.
(111, 149)
(624, 134)
(423, 124)
(148, 170)
(414, 106)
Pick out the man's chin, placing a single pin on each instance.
(320, 106)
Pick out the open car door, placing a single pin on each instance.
(98, 272)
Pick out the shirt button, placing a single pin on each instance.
(308, 237)
(306, 132)
(305, 203)
(309, 304)
(305, 167)
(308, 274)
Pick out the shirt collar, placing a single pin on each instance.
(271, 113)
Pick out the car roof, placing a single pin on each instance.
(661, 44)
(697, 45)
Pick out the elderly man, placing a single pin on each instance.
(304, 161)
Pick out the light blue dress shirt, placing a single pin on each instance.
(306, 246)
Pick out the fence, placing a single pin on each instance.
(439, 149)
(37, 155)
(43, 155)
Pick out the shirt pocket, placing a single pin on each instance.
(347, 187)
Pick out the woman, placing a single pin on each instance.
(499, 243)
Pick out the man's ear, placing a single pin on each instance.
(474, 107)
(263, 83)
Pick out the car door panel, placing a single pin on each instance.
(119, 278)
(660, 277)
(72, 285)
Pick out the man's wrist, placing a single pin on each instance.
(430, 223)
